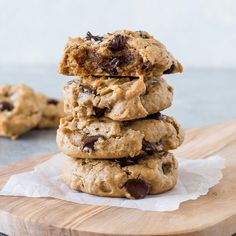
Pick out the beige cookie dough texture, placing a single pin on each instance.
(107, 178)
(83, 57)
(122, 98)
(26, 112)
(119, 139)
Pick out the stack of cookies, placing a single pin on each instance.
(116, 139)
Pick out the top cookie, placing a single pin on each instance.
(122, 53)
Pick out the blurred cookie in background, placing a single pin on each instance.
(20, 110)
(52, 112)
(23, 109)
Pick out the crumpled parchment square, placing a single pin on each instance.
(195, 179)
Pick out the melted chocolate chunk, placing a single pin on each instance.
(99, 112)
(110, 64)
(117, 43)
(146, 66)
(155, 116)
(125, 58)
(149, 147)
(170, 70)
(6, 106)
(97, 38)
(137, 188)
(128, 161)
(52, 101)
(90, 140)
(88, 90)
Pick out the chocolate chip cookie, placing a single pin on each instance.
(51, 114)
(130, 178)
(102, 138)
(121, 99)
(20, 110)
(121, 53)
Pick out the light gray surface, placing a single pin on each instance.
(202, 97)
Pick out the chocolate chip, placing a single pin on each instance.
(143, 34)
(52, 101)
(125, 58)
(90, 140)
(88, 90)
(6, 106)
(170, 70)
(97, 38)
(149, 147)
(117, 43)
(166, 168)
(137, 188)
(110, 64)
(155, 116)
(128, 161)
(146, 66)
(99, 112)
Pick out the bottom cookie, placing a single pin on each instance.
(123, 177)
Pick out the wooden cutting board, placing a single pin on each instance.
(213, 214)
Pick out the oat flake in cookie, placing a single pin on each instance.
(121, 53)
(148, 175)
(20, 110)
(102, 138)
(123, 98)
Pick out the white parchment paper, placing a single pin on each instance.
(195, 179)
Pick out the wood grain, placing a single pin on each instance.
(213, 214)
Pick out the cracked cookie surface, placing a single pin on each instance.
(20, 110)
(152, 174)
(121, 53)
(102, 138)
(119, 99)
